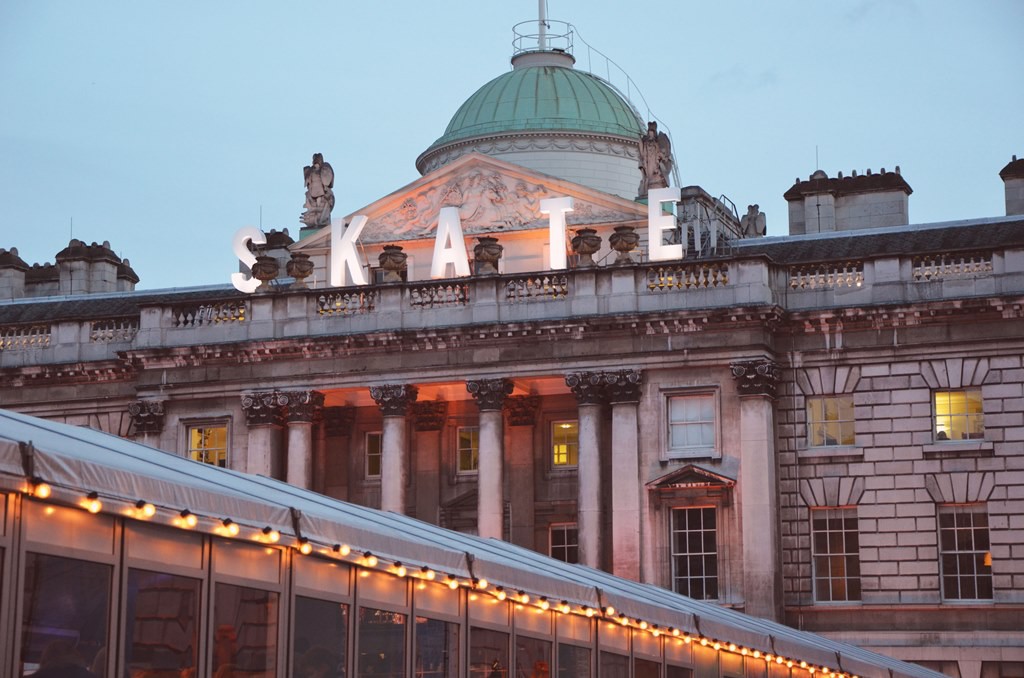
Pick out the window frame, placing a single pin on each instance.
(810, 423)
(965, 416)
(366, 455)
(972, 509)
(191, 424)
(672, 555)
(842, 513)
(693, 452)
(457, 449)
(553, 426)
(564, 526)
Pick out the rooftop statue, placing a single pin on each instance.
(655, 160)
(319, 178)
(753, 223)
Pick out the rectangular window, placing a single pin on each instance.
(209, 444)
(381, 641)
(437, 648)
(245, 631)
(573, 661)
(830, 421)
(322, 627)
(835, 540)
(373, 459)
(533, 657)
(565, 443)
(468, 448)
(564, 542)
(694, 541)
(488, 653)
(691, 424)
(162, 623)
(965, 561)
(958, 415)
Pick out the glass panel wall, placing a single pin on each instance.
(573, 661)
(533, 657)
(614, 665)
(437, 648)
(161, 628)
(488, 653)
(244, 631)
(321, 638)
(381, 643)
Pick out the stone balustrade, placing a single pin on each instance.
(546, 297)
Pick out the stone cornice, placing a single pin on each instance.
(101, 371)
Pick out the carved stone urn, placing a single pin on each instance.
(624, 241)
(394, 262)
(266, 268)
(299, 267)
(586, 243)
(487, 254)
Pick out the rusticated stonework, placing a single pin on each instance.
(264, 408)
(302, 406)
(522, 410)
(147, 415)
(756, 377)
(338, 421)
(623, 386)
(490, 394)
(394, 399)
(588, 387)
(430, 414)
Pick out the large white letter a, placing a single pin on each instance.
(449, 227)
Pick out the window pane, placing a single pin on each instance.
(209, 444)
(381, 643)
(573, 661)
(533, 657)
(321, 637)
(162, 626)
(373, 454)
(694, 552)
(830, 421)
(245, 630)
(468, 448)
(437, 648)
(645, 668)
(959, 415)
(614, 665)
(836, 563)
(963, 551)
(64, 620)
(691, 422)
(488, 653)
(564, 443)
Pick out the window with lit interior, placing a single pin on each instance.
(564, 542)
(694, 543)
(208, 443)
(691, 425)
(958, 415)
(373, 451)
(468, 448)
(835, 547)
(965, 561)
(565, 443)
(830, 421)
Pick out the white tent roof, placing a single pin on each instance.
(76, 461)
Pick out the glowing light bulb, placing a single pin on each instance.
(674, 632)
(642, 624)
(544, 604)
(305, 548)
(523, 598)
(189, 518)
(624, 620)
(271, 534)
(717, 646)
(589, 611)
(732, 647)
(704, 642)
(42, 490)
(609, 611)
(757, 654)
(427, 573)
(231, 526)
(500, 594)
(563, 607)
(342, 549)
(93, 503)
(453, 583)
(399, 569)
(482, 584)
(145, 508)
(369, 559)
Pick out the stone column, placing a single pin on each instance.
(264, 415)
(756, 381)
(490, 396)
(588, 387)
(393, 401)
(300, 409)
(428, 417)
(622, 388)
(332, 462)
(148, 419)
(522, 419)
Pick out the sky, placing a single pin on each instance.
(164, 127)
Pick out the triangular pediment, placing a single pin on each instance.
(691, 476)
(492, 196)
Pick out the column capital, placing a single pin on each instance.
(263, 408)
(147, 415)
(301, 406)
(522, 410)
(338, 420)
(588, 387)
(490, 394)
(758, 377)
(623, 386)
(429, 415)
(394, 399)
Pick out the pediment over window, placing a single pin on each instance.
(691, 477)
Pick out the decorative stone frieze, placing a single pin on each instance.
(147, 415)
(394, 399)
(264, 408)
(302, 406)
(588, 387)
(522, 410)
(430, 415)
(623, 386)
(756, 377)
(338, 421)
(490, 394)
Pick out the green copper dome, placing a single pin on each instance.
(543, 98)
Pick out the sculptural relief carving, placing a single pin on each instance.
(147, 415)
(302, 406)
(655, 160)
(753, 222)
(319, 180)
(756, 377)
(264, 408)
(394, 399)
(490, 394)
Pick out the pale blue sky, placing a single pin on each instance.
(164, 126)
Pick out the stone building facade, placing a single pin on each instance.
(825, 429)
